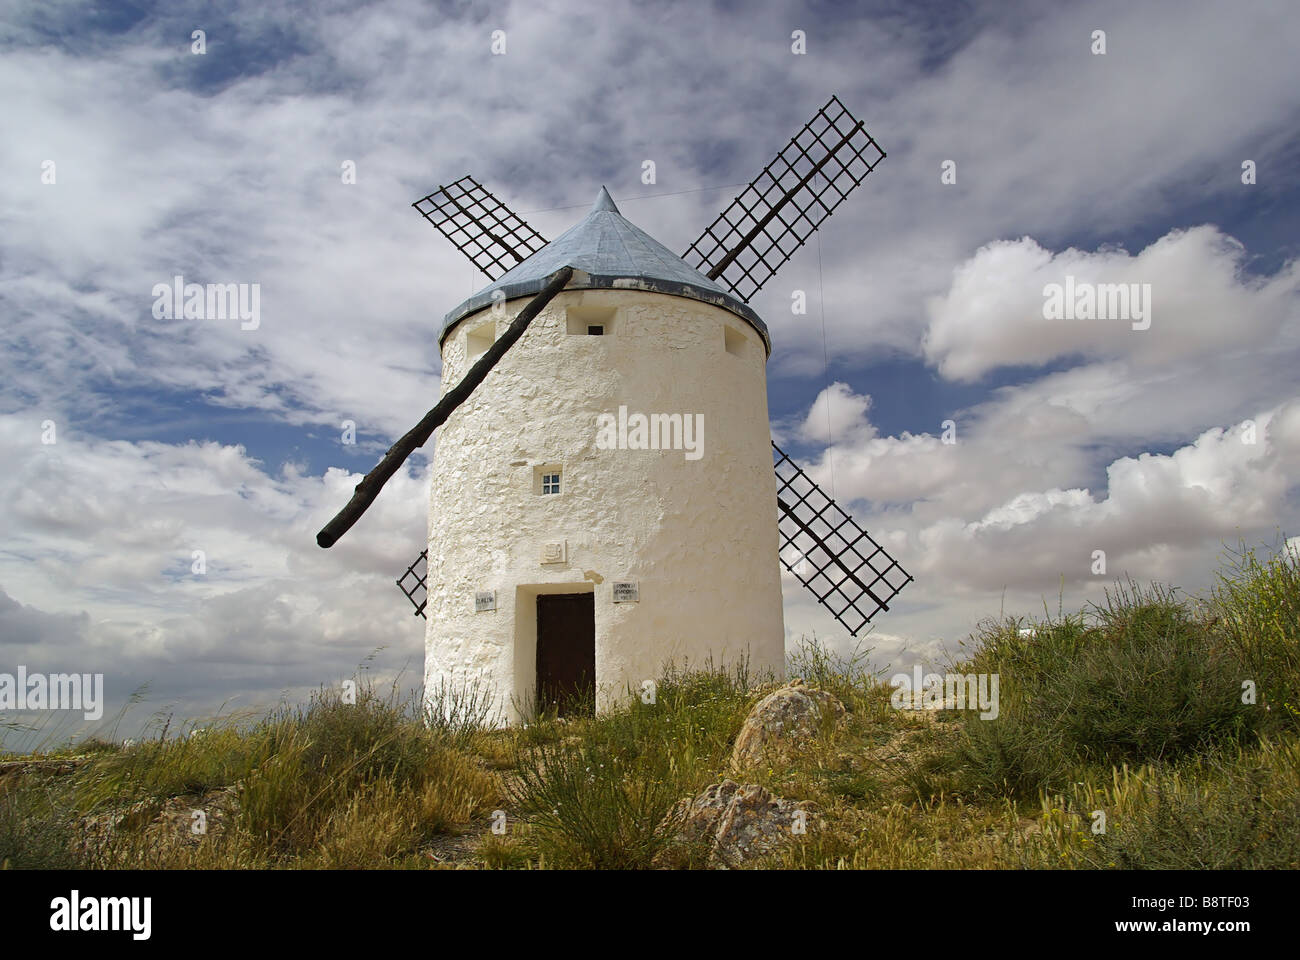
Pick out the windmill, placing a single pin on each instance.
(572, 549)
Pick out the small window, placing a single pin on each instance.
(546, 479)
(735, 341)
(590, 321)
(479, 339)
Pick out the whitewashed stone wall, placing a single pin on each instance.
(698, 536)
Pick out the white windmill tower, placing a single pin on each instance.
(603, 503)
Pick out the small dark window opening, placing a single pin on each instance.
(596, 330)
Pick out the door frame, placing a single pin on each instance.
(526, 594)
(571, 649)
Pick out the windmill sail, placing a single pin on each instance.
(776, 214)
(835, 559)
(846, 570)
(489, 233)
(415, 583)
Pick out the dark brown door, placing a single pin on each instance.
(566, 652)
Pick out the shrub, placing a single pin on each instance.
(849, 677)
(1135, 679)
(1006, 757)
(316, 761)
(1255, 610)
(36, 830)
(1224, 811)
(601, 797)
(459, 715)
(590, 808)
(166, 767)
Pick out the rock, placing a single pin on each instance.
(53, 765)
(158, 824)
(730, 823)
(784, 720)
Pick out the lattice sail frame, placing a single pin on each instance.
(489, 233)
(835, 559)
(776, 214)
(419, 580)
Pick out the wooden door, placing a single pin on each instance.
(566, 652)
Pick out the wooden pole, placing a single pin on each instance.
(374, 481)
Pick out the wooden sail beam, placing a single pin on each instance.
(776, 208)
(819, 542)
(368, 489)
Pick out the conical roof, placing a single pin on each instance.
(606, 251)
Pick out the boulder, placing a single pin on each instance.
(729, 823)
(783, 720)
(158, 824)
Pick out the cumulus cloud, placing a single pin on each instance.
(1201, 304)
(1049, 142)
(1159, 517)
(837, 411)
(1225, 484)
(22, 625)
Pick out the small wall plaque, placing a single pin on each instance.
(485, 600)
(554, 552)
(627, 593)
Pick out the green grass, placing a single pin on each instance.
(1254, 611)
(35, 831)
(1231, 810)
(1137, 678)
(599, 798)
(1132, 709)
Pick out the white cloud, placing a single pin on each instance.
(1202, 305)
(837, 411)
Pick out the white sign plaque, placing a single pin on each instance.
(554, 552)
(485, 600)
(627, 593)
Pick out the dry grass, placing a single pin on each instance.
(1132, 709)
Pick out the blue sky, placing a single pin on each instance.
(177, 435)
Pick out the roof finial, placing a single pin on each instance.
(604, 202)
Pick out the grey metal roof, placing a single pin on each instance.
(610, 252)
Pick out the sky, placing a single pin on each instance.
(1018, 154)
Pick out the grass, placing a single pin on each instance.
(1255, 612)
(601, 797)
(1171, 721)
(1138, 678)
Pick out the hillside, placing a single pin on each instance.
(1152, 731)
